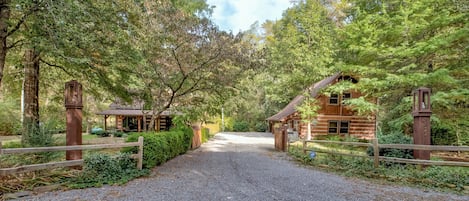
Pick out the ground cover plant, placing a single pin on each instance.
(441, 178)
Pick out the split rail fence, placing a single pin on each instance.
(377, 158)
(69, 163)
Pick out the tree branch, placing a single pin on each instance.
(23, 19)
(56, 66)
(15, 44)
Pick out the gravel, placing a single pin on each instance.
(243, 166)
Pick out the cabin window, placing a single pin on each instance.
(333, 127)
(334, 99)
(338, 127)
(344, 125)
(346, 96)
(296, 125)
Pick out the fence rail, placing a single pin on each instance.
(42, 166)
(376, 146)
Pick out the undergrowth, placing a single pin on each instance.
(441, 178)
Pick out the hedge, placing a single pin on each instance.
(163, 146)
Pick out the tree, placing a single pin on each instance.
(301, 50)
(82, 39)
(185, 58)
(397, 46)
(308, 111)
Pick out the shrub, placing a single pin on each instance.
(205, 134)
(160, 147)
(103, 133)
(10, 109)
(393, 138)
(118, 134)
(240, 126)
(260, 127)
(102, 169)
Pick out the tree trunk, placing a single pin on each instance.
(151, 126)
(4, 17)
(308, 136)
(31, 91)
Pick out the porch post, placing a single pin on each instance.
(139, 124)
(105, 122)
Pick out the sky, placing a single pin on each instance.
(236, 15)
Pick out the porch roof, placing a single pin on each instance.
(128, 112)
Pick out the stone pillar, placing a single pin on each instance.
(73, 105)
(422, 127)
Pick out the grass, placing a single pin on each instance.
(441, 178)
(27, 181)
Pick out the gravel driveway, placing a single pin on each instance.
(243, 166)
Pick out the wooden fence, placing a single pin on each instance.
(376, 158)
(29, 168)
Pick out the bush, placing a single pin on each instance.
(260, 127)
(205, 135)
(9, 123)
(394, 138)
(102, 169)
(160, 147)
(240, 126)
(103, 133)
(118, 134)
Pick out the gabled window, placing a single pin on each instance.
(334, 99)
(346, 96)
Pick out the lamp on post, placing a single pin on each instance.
(422, 128)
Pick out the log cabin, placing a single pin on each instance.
(133, 118)
(334, 116)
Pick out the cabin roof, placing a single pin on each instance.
(291, 107)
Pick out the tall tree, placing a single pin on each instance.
(397, 46)
(183, 57)
(302, 49)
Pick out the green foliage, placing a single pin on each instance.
(240, 126)
(160, 147)
(9, 124)
(308, 108)
(260, 127)
(205, 135)
(227, 124)
(301, 50)
(393, 138)
(396, 46)
(438, 177)
(102, 169)
(118, 134)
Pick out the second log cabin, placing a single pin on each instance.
(334, 116)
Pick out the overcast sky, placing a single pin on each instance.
(239, 15)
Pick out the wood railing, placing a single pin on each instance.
(69, 163)
(376, 158)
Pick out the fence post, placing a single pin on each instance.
(1, 151)
(304, 146)
(140, 153)
(375, 152)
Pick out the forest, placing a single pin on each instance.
(170, 54)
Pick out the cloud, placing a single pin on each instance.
(239, 15)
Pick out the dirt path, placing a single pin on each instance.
(244, 166)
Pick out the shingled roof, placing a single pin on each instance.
(119, 107)
(129, 112)
(291, 107)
